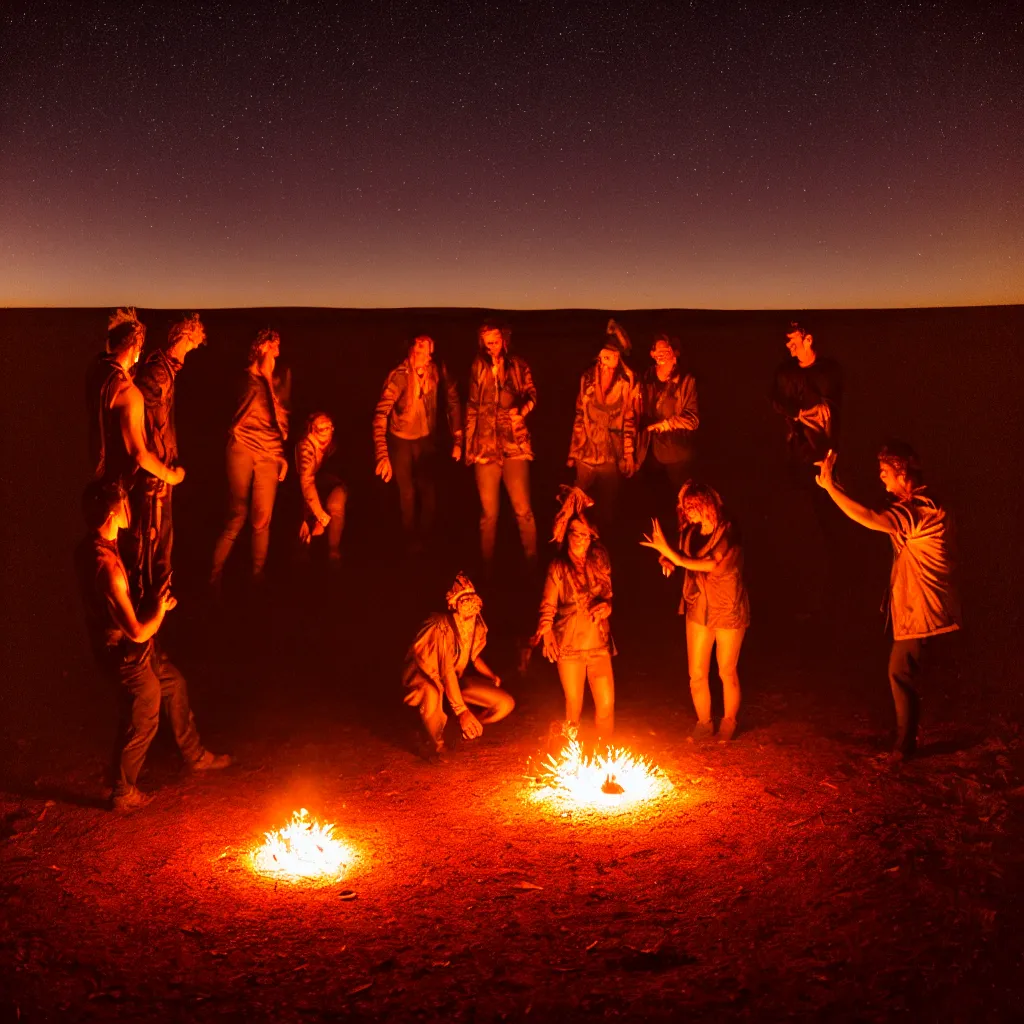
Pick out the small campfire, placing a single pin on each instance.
(305, 849)
(612, 781)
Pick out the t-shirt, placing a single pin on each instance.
(716, 598)
(923, 600)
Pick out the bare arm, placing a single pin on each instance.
(116, 587)
(657, 542)
(133, 417)
(853, 509)
(486, 671)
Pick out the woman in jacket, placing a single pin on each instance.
(714, 600)
(324, 496)
(575, 609)
(498, 447)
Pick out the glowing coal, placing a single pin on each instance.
(612, 781)
(305, 849)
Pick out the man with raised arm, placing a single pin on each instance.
(923, 600)
(151, 535)
(124, 643)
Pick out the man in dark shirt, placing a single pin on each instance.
(147, 544)
(126, 649)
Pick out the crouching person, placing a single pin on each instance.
(324, 495)
(126, 650)
(445, 661)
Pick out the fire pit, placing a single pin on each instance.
(615, 780)
(304, 850)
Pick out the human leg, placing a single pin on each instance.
(174, 697)
(424, 468)
(699, 641)
(140, 696)
(496, 702)
(516, 475)
(427, 699)
(337, 500)
(602, 689)
(163, 539)
(904, 669)
(727, 650)
(573, 676)
(488, 484)
(264, 490)
(239, 461)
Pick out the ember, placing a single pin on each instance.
(303, 849)
(614, 780)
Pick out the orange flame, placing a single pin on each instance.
(303, 849)
(612, 781)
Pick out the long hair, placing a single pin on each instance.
(702, 498)
(493, 325)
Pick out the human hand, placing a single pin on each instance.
(323, 518)
(656, 541)
(176, 475)
(383, 469)
(282, 469)
(570, 462)
(550, 647)
(667, 567)
(661, 427)
(304, 535)
(470, 725)
(600, 611)
(457, 451)
(628, 465)
(168, 601)
(496, 679)
(825, 468)
(613, 327)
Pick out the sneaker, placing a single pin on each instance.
(726, 730)
(211, 762)
(702, 731)
(132, 799)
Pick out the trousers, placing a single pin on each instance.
(574, 674)
(146, 545)
(727, 642)
(415, 467)
(904, 672)
(515, 474)
(144, 688)
(252, 487)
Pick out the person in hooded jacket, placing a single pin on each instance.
(498, 446)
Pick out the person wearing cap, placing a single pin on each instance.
(406, 432)
(498, 446)
(124, 642)
(255, 453)
(669, 415)
(923, 600)
(445, 661)
(574, 624)
(603, 445)
(151, 535)
(117, 410)
(714, 602)
(324, 495)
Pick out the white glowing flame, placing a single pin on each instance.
(304, 848)
(613, 780)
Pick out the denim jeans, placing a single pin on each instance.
(515, 474)
(415, 467)
(252, 486)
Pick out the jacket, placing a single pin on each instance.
(496, 411)
(674, 400)
(396, 407)
(604, 430)
(566, 602)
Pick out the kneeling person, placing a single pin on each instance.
(323, 493)
(437, 666)
(126, 649)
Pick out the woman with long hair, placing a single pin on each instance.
(714, 602)
(324, 495)
(575, 610)
(498, 447)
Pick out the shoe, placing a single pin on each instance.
(132, 799)
(211, 762)
(726, 729)
(702, 731)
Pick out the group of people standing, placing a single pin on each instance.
(621, 421)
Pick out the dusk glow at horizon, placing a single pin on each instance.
(527, 155)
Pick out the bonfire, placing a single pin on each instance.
(304, 849)
(609, 781)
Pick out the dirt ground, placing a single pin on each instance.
(789, 875)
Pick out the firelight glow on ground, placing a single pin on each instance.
(305, 849)
(611, 782)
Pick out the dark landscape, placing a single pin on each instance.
(790, 875)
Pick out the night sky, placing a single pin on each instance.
(616, 155)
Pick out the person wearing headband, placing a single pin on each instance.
(445, 662)
(574, 624)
